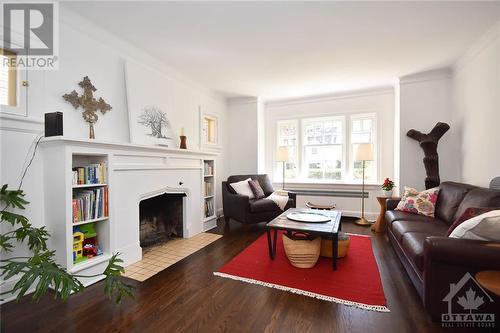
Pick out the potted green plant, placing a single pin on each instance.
(38, 270)
(387, 187)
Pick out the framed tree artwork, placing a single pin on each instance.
(150, 106)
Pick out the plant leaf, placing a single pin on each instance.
(5, 244)
(12, 198)
(40, 272)
(113, 286)
(13, 218)
(37, 237)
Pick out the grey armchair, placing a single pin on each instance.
(245, 210)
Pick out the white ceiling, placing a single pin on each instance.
(289, 49)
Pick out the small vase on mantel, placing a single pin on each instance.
(183, 144)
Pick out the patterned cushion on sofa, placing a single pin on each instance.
(422, 203)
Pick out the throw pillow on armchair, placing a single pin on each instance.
(257, 190)
(243, 188)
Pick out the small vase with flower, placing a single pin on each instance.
(387, 187)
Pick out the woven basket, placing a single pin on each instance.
(302, 253)
(326, 247)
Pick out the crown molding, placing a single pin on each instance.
(485, 41)
(430, 75)
(383, 90)
(242, 100)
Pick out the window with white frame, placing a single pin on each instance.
(321, 149)
(8, 79)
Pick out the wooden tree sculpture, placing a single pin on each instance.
(429, 143)
(88, 102)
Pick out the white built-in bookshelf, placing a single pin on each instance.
(76, 200)
(208, 193)
(89, 206)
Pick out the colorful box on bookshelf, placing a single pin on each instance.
(85, 243)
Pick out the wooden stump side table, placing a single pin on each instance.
(379, 225)
(489, 280)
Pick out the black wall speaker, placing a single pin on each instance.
(53, 124)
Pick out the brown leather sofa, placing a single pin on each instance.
(432, 260)
(245, 210)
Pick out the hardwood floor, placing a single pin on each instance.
(187, 297)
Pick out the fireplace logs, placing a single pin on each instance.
(161, 218)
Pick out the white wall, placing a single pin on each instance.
(424, 100)
(85, 49)
(476, 115)
(379, 101)
(261, 137)
(242, 127)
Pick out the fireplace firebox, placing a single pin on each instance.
(161, 219)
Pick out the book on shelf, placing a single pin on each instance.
(208, 169)
(90, 174)
(208, 188)
(209, 208)
(90, 204)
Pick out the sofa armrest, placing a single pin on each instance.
(392, 203)
(447, 261)
(234, 205)
(463, 252)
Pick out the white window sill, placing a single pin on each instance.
(317, 185)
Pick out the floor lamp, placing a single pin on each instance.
(363, 152)
(283, 156)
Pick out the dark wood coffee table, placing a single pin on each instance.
(329, 229)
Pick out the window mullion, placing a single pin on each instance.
(300, 148)
(348, 157)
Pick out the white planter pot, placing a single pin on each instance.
(387, 194)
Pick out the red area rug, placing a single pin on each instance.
(356, 282)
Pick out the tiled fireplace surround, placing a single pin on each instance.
(161, 230)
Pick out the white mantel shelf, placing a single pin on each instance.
(125, 146)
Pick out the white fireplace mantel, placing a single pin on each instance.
(126, 146)
(134, 171)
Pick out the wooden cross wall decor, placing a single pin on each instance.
(88, 103)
